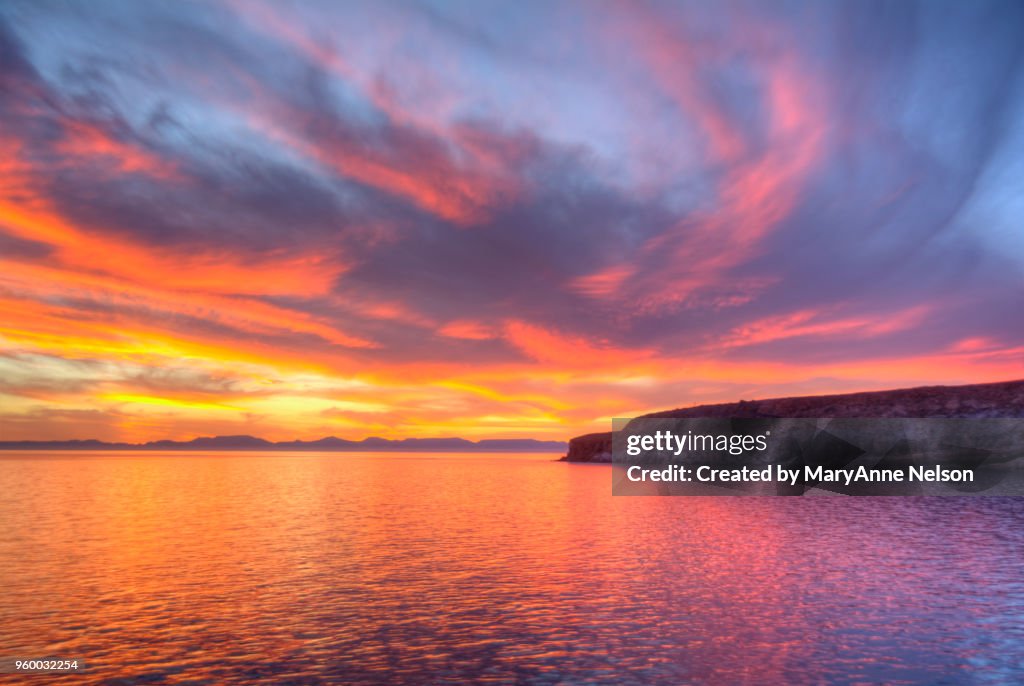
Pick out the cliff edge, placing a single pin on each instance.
(1003, 399)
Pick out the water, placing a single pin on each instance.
(320, 568)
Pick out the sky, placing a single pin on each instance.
(497, 219)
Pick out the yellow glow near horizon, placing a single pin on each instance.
(167, 402)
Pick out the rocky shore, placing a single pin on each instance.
(993, 400)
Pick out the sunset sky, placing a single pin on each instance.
(497, 219)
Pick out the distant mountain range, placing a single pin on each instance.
(329, 443)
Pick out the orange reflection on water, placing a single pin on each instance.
(225, 568)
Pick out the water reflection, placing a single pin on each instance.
(312, 567)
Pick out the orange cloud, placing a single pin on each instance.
(31, 218)
(816, 323)
(756, 186)
(429, 176)
(83, 140)
(569, 352)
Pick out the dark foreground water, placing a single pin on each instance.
(317, 568)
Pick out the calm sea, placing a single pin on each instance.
(349, 568)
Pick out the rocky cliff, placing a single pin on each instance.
(1005, 399)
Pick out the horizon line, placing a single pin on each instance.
(248, 442)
